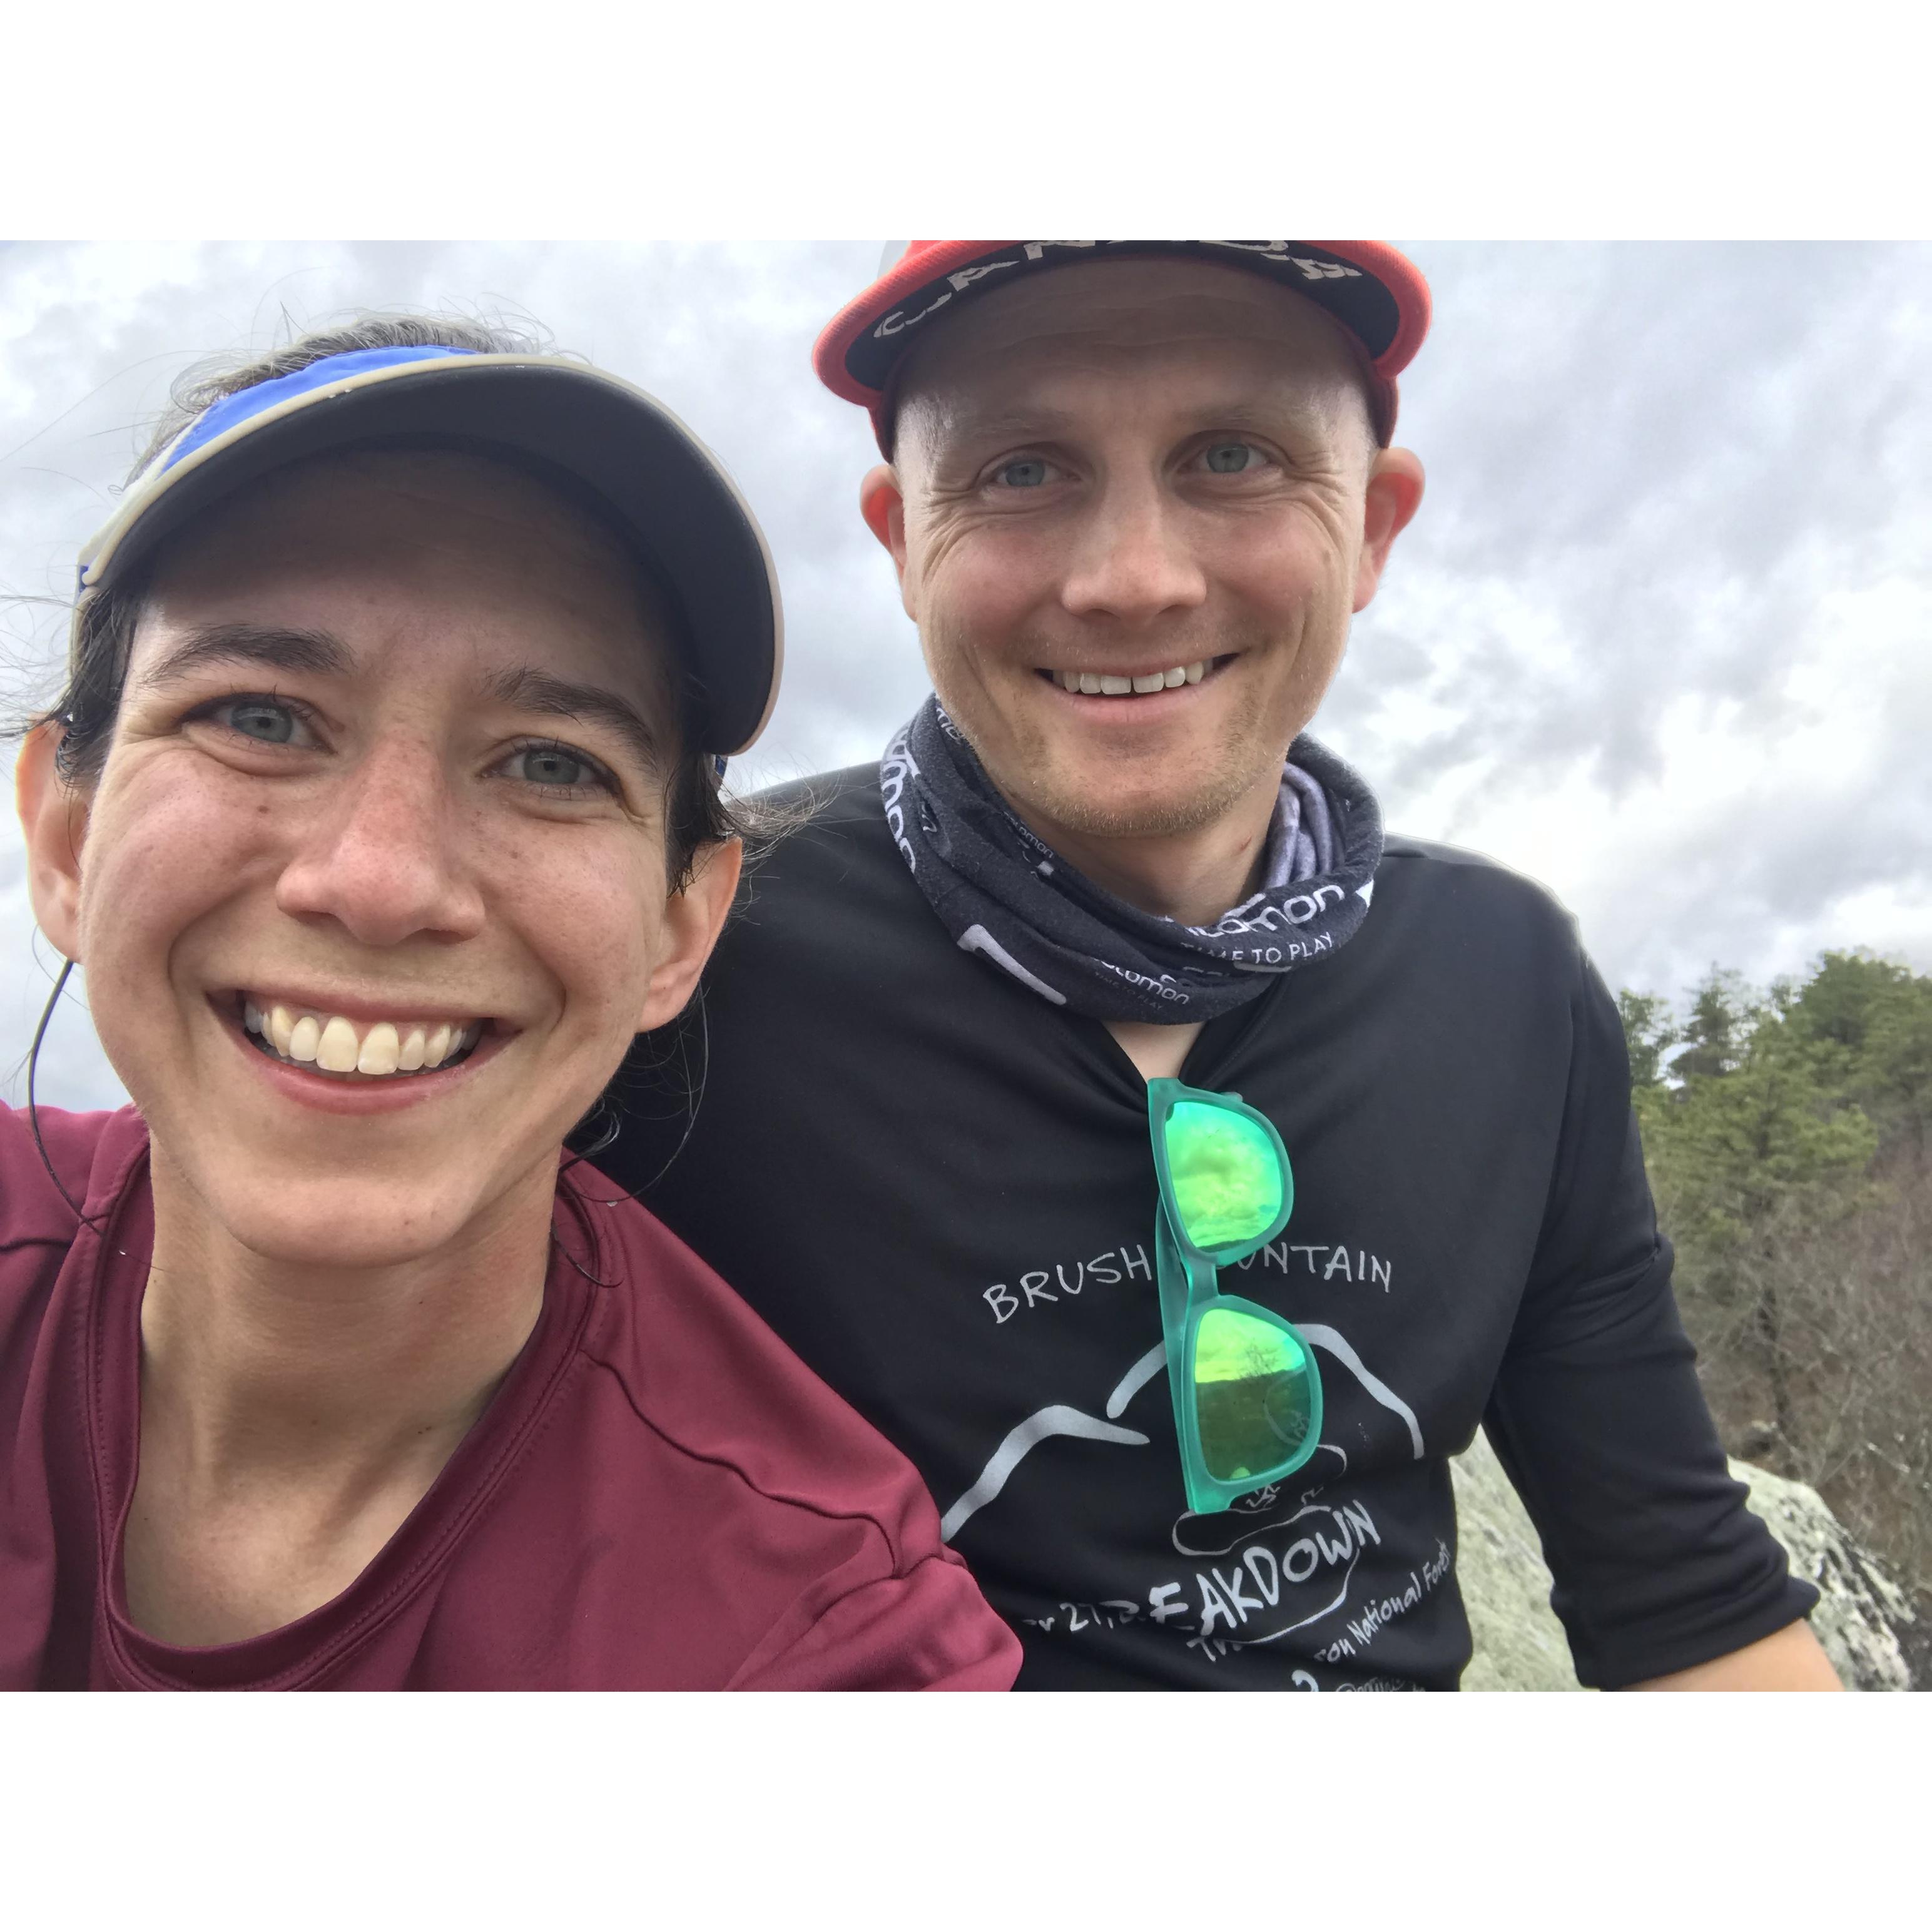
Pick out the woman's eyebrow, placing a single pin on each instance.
(527, 688)
(320, 653)
(271, 647)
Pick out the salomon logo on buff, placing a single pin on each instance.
(895, 769)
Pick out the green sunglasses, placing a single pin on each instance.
(1247, 1396)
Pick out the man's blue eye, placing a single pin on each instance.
(1027, 472)
(269, 723)
(1231, 459)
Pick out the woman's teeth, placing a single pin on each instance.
(1106, 684)
(330, 1044)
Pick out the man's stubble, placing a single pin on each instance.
(1016, 750)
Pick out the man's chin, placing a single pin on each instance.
(1101, 807)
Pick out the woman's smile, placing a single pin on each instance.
(303, 1078)
(335, 1043)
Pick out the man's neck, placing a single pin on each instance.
(1190, 877)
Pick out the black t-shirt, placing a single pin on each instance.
(939, 1190)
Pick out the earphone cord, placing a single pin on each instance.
(33, 1113)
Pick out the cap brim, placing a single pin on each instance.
(1376, 294)
(660, 482)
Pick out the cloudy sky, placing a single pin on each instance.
(1659, 637)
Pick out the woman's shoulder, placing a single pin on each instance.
(38, 1224)
(52, 1161)
(716, 1381)
(823, 1566)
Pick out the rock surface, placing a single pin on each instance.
(1519, 1645)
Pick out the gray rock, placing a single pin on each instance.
(1519, 1645)
(1862, 1612)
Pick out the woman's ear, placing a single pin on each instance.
(53, 814)
(693, 919)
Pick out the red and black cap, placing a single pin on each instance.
(1375, 292)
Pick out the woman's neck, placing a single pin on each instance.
(258, 1360)
(293, 1414)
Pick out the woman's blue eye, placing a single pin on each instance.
(1231, 459)
(256, 718)
(1025, 472)
(551, 765)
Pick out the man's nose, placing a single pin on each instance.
(1131, 559)
(385, 857)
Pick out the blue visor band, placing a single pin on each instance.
(232, 411)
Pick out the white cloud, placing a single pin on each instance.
(1658, 637)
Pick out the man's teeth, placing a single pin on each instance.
(1107, 684)
(333, 1045)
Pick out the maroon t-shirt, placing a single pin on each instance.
(660, 1496)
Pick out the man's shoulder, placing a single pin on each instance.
(846, 796)
(1463, 876)
(1400, 845)
(821, 841)
(1473, 924)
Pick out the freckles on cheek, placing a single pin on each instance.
(154, 860)
(585, 910)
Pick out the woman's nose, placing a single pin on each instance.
(385, 858)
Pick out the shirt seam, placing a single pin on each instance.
(716, 1459)
(751, 1660)
(339, 1649)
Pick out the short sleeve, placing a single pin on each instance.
(1599, 1420)
(928, 1629)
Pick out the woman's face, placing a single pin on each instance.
(390, 760)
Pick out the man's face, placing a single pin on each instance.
(1125, 472)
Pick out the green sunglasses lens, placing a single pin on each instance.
(1252, 1395)
(1226, 1174)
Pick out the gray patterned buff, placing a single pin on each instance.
(1003, 893)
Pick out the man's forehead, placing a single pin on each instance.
(1035, 405)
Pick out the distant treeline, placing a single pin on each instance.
(1785, 1132)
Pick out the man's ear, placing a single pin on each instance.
(693, 919)
(1393, 495)
(53, 815)
(882, 504)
